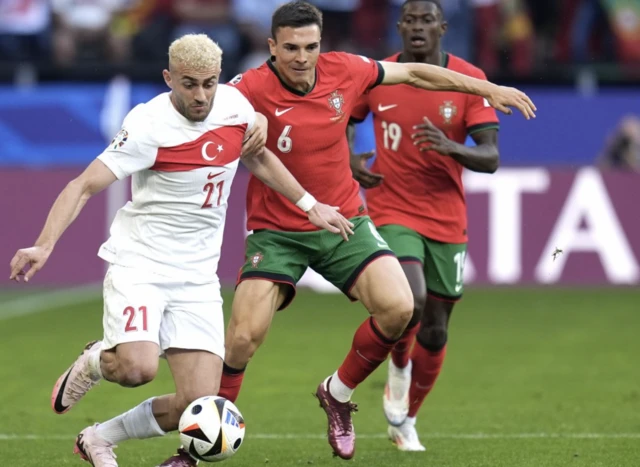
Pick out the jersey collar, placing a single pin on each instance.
(297, 92)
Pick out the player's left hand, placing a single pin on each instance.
(361, 174)
(502, 98)
(256, 137)
(431, 138)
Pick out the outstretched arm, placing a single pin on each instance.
(66, 208)
(266, 166)
(436, 78)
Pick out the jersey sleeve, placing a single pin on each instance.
(241, 83)
(366, 73)
(132, 149)
(361, 109)
(247, 111)
(479, 114)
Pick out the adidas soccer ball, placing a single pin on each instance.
(211, 429)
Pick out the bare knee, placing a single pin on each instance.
(137, 373)
(130, 367)
(394, 314)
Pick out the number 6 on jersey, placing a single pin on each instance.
(284, 142)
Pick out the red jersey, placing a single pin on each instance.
(422, 191)
(307, 132)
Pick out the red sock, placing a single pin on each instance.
(230, 383)
(369, 349)
(425, 371)
(401, 352)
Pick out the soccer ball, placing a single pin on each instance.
(211, 429)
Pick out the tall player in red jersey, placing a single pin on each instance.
(308, 98)
(416, 200)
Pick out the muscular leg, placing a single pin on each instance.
(131, 364)
(254, 305)
(384, 290)
(428, 354)
(415, 275)
(158, 415)
(396, 392)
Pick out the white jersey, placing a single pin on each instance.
(182, 173)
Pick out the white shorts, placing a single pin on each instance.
(142, 306)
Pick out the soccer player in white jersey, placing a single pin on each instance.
(161, 291)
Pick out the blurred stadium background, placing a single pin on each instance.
(551, 331)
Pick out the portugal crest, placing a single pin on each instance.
(336, 102)
(448, 111)
(256, 260)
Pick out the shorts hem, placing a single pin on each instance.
(271, 277)
(355, 275)
(443, 297)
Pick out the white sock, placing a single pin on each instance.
(340, 391)
(406, 371)
(93, 363)
(410, 421)
(137, 423)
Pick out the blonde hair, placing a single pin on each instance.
(195, 52)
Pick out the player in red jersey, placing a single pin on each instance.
(308, 98)
(419, 208)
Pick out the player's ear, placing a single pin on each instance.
(272, 46)
(443, 28)
(166, 74)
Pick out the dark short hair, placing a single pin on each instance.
(295, 14)
(435, 2)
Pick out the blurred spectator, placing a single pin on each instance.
(24, 29)
(150, 24)
(624, 17)
(254, 22)
(503, 25)
(214, 18)
(83, 30)
(623, 148)
(337, 23)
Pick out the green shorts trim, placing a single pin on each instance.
(283, 257)
(443, 263)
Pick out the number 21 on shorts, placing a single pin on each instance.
(137, 318)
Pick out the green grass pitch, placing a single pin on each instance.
(533, 378)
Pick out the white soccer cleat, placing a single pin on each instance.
(74, 383)
(395, 400)
(405, 437)
(91, 447)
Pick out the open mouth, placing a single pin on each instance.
(417, 41)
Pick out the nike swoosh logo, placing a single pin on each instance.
(210, 176)
(282, 112)
(382, 108)
(58, 406)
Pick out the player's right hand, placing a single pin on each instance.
(502, 98)
(34, 257)
(327, 217)
(361, 174)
